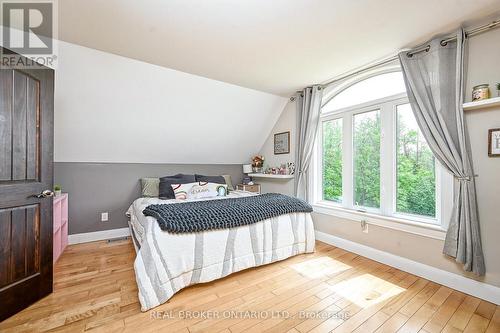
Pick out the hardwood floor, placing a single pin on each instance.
(330, 290)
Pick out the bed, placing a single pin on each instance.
(168, 262)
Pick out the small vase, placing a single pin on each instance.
(257, 169)
(57, 193)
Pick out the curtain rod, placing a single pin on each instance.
(417, 50)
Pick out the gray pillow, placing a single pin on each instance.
(150, 187)
(210, 179)
(165, 188)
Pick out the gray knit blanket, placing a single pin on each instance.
(196, 216)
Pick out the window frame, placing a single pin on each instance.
(320, 135)
(387, 107)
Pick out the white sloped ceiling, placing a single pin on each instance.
(115, 109)
(277, 46)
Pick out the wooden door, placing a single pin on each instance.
(26, 154)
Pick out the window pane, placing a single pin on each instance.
(373, 88)
(416, 177)
(332, 160)
(367, 159)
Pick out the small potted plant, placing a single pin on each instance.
(57, 190)
(498, 89)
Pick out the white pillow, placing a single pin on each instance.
(199, 190)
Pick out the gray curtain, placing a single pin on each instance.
(434, 82)
(308, 109)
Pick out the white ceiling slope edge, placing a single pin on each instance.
(277, 46)
(110, 108)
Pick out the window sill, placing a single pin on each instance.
(396, 223)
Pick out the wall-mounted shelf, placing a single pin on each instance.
(265, 175)
(485, 103)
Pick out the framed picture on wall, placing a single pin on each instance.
(494, 142)
(282, 143)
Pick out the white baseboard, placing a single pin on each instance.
(98, 235)
(472, 287)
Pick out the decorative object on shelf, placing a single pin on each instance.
(282, 143)
(247, 168)
(258, 163)
(285, 169)
(258, 170)
(498, 89)
(57, 190)
(481, 92)
(494, 142)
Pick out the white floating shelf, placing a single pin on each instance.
(485, 103)
(265, 175)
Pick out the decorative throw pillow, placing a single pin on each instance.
(199, 190)
(150, 187)
(229, 182)
(165, 188)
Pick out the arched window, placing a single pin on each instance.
(373, 157)
(370, 89)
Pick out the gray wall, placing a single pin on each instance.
(111, 187)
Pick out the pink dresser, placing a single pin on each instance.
(60, 224)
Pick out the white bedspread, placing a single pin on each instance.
(166, 262)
